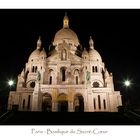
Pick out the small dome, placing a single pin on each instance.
(94, 55)
(36, 54)
(66, 35)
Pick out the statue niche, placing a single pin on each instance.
(63, 55)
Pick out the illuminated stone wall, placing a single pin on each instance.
(68, 78)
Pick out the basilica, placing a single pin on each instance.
(66, 78)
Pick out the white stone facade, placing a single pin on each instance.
(66, 79)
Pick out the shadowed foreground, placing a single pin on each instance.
(42, 118)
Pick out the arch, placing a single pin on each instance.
(50, 76)
(76, 72)
(101, 84)
(32, 84)
(50, 80)
(78, 103)
(76, 75)
(46, 102)
(96, 84)
(63, 74)
(62, 102)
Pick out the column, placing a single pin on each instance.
(54, 106)
(70, 106)
(35, 102)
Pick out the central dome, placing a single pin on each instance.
(66, 34)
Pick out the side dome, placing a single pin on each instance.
(94, 55)
(38, 53)
(34, 55)
(66, 34)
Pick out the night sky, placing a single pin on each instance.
(116, 35)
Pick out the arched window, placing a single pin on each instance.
(95, 84)
(96, 70)
(99, 102)
(76, 80)
(50, 80)
(33, 69)
(32, 84)
(36, 69)
(93, 69)
(29, 98)
(23, 105)
(94, 103)
(79, 103)
(104, 102)
(63, 74)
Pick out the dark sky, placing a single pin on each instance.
(116, 33)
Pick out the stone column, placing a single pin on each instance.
(35, 102)
(85, 106)
(54, 106)
(54, 100)
(35, 99)
(70, 106)
(70, 100)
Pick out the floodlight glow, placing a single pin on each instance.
(127, 83)
(11, 82)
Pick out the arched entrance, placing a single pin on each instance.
(78, 103)
(62, 103)
(46, 103)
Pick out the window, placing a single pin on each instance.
(50, 80)
(33, 69)
(76, 80)
(23, 105)
(94, 103)
(63, 74)
(29, 98)
(32, 85)
(104, 102)
(99, 102)
(96, 70)
(93, 69)
(95, 84)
